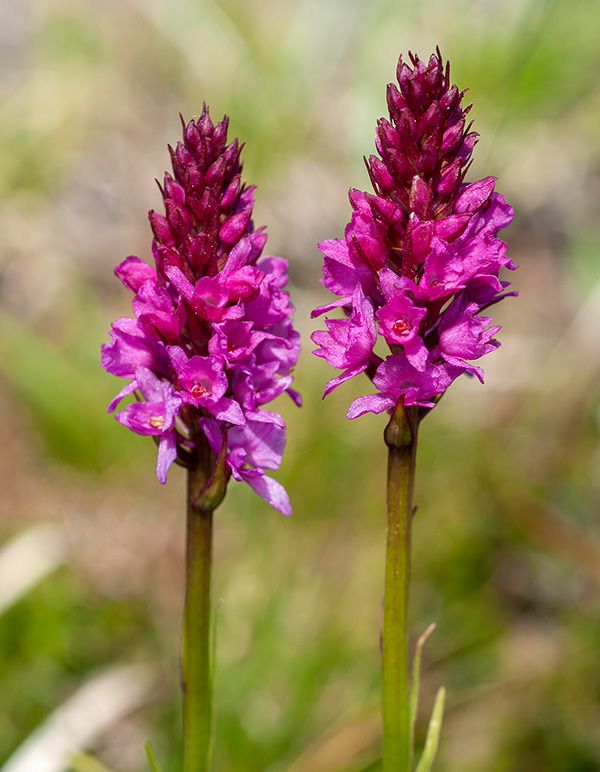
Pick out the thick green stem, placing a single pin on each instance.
(196, 643)
(401, 439)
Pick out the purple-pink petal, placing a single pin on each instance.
(348, 343)
(133, 272)
(202, 378)
(371, 403)
(167, 453)
(269, 489)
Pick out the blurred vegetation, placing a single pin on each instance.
(507, 539)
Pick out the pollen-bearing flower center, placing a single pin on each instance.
(157, 421)
(401, 326)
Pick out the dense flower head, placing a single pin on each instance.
(211, 340)
(420, 259)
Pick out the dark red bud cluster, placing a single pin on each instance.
(206, 212)
(424, 151)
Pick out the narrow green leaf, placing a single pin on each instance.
(152, 760)
(433, 733)
(416, 674)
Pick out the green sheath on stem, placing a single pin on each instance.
(401, 439)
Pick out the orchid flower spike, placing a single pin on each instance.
(420, 259)
(211, 340)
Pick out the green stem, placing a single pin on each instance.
(196, 643)
(401, 439)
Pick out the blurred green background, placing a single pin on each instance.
(507, 539)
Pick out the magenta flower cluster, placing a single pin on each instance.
(420, 259)
(211, 341)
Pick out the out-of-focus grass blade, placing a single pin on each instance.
(152, 760)
(374, 766)
(65, 395)
(344, 745)
(26, 559)
(83, 762)
(97, 705)
(433, 733)
(213, 668)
